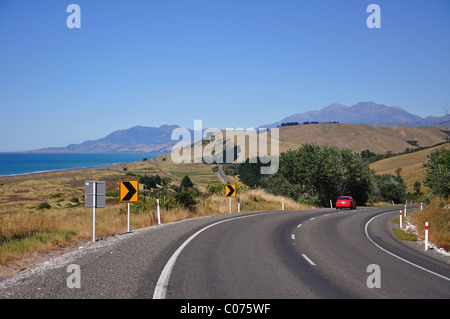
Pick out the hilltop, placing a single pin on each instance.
(359, 137)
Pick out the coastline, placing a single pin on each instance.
(64, 169)
(100, 166)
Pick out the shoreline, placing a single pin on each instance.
(100, 166)
(64, 169)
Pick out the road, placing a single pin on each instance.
(222, 175)
(320, 253)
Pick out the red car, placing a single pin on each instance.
(345, 202)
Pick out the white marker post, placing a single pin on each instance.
(331, 203)
(405, 210)
(426, 235)
(93, 209)
(282, 203)
(421, 205)
(401, 221)
(239, 205)
(159, 212)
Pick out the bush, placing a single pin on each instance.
(187, 198)
(186, 182)
(390, 188)
(44, 205)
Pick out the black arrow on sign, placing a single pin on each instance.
(230, 190)
(131, 191)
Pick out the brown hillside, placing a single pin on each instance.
(361, 137)
(411, 165)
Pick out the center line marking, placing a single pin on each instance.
(299, 225)
(308, 260)
(293, 236)
(312, 218)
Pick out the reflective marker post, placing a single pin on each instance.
(401, 222)
(426, 235)
(159, 212)
(239, 205)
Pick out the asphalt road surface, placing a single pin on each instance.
(320, 253)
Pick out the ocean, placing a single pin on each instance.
(24, 163)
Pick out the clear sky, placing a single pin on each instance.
(230, 63)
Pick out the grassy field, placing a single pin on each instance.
(43, 214)
(437, 214)
(411, 164)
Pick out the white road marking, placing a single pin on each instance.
(299, 225)
(308, 260)
(293, 236)
(392, 254)
(163, 281)
(312, 218)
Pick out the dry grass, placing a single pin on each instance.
(27, 232)
(437, 214)
(411, 164)
(361, 137)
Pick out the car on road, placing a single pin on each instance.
(345, 202)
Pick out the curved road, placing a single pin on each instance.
(321, 253)
(304, 255)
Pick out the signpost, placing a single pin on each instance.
(230, 191)
(94, 198)
(129, 193)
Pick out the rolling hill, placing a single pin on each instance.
(411, 165)
(379, 140)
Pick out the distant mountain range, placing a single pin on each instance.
(136, 139)
(158, 139)
(364, 113)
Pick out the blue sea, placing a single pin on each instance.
(24, 163)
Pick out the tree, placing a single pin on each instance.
(438, 172)
(186, 182)
(390, 188)
(417, 186)
(315, 174)
(250, 173)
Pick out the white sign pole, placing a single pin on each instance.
(230, 205)
(94, 185)
(128, 204)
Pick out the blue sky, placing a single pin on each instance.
(233, 63)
